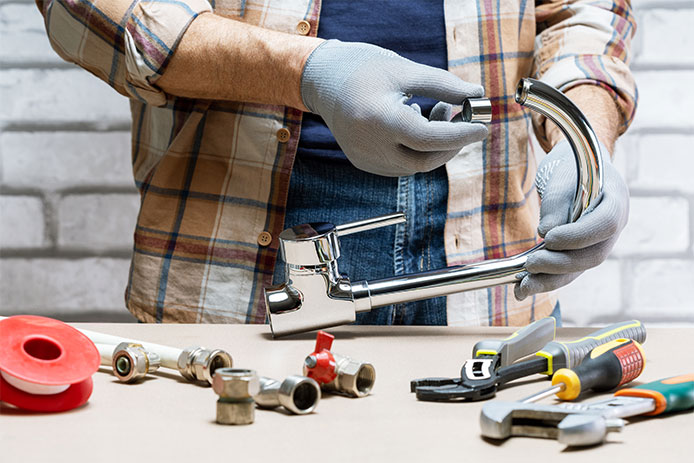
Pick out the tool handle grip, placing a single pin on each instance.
(670, 395)
(525, 341)
(570, 353)
(607, 367)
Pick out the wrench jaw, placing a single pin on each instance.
(501, 420)
(572, 427)
(478, 381)
(583, 430)
(495, 420)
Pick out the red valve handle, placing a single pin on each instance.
(320, 365)
(324, 341)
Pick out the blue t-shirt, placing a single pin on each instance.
(413, 29)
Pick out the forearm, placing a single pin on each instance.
(224, 59)
(600, 109)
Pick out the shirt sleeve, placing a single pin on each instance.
(127, 44)
(586, 42)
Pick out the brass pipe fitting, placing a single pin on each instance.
(352, 377)
(236, 388)
(199, 365)
(131, 362)
(298, 394)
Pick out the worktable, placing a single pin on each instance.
(167, 419)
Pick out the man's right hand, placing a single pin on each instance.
(361, 92)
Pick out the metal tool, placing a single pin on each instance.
(607, 367)
(298, 394)
(236, 388)
(316, 295)
(131, 362)
(550, 358)
(337, 373)
(586, 424)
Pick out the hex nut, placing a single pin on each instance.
(354, 378)
(131, 362)
(236, 388)
(198, 364)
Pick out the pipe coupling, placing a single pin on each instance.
(298, 394)
(198, 364)
(477, 110)
(131, 362)
(236, 388)
(352, 377)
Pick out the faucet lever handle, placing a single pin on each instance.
(370, 224)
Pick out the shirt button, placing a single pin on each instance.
(283, 135)
(264, 238)
(303, 28)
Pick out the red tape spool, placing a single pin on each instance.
(42, 353)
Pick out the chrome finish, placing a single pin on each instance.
(236, 388)
(477, 110)
(131, 362)
(577, 424)
(354, 378)
(298, 394)
(543, 394)
(198, 364)
(551, 103)
(316, 295)
(370, 224)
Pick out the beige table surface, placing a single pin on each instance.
(167, 419)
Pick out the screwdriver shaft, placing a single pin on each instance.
(546, 393)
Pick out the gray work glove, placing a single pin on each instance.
(572, 248)
(361, 90)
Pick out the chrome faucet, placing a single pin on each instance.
(315, 294)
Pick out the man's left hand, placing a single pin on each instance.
(572, 248)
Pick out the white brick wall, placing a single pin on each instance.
(651, 272)
(64, 173)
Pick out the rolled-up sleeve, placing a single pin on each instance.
(128, 44)
(586, 42)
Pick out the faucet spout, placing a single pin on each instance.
(316, 295)
(434, 283)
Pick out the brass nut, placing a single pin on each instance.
(131, 362)
(235, 412)
(354, 378)
(235, 388)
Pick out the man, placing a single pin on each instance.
(218, 92)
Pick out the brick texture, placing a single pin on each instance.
(21, 222)
(59, 160)
(68, 201)
(97, 222)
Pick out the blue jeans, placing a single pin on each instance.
(322, 191)
(336, 192)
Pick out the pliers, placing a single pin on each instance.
(493, 364)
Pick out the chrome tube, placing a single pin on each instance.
(553, 104)
(557, 107)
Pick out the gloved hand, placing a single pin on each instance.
(572, 248)
(361, 90)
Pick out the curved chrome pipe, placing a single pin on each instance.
(553, 104)
(584, 143)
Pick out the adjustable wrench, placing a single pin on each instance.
(586, 424)
(480, 377)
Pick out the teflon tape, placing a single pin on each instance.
(45, 365)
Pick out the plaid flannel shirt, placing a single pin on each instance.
(213, 175)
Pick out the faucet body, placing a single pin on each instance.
(315, 294)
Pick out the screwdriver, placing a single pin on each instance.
(606, 367)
